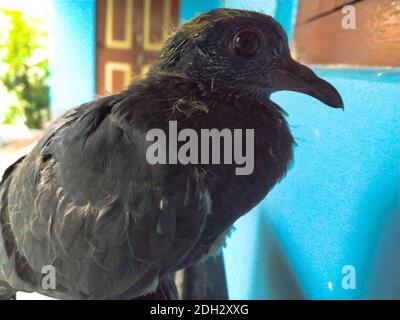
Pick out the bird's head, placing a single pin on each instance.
(242, 50)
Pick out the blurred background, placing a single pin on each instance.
(24, 73)
(339, 204)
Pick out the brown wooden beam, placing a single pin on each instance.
(374, 42)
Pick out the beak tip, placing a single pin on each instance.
(328, 94)
(338, 103)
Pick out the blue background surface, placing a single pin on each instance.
(72, 54)
(339, 204)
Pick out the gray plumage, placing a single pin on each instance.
(87, 202)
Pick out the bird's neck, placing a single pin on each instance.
(225, 90)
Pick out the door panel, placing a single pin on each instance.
(129, 35)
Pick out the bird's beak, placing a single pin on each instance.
(294, 76)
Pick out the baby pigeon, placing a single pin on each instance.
(113, 224)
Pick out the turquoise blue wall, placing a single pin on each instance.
(72, 59)
(338, 205)
(190, 8)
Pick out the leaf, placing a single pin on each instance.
(25, 78)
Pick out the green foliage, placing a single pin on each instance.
(25, 77)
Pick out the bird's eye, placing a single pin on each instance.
(246, 43)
